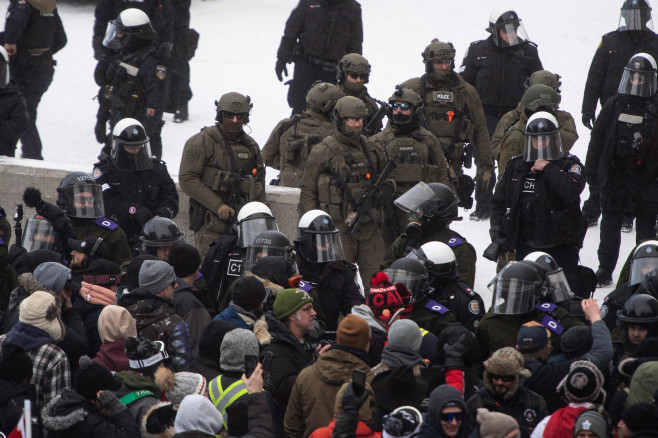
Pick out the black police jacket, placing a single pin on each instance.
(610, 58)
(499, 73)
(13, 118)
(324, 30)
(539, 209)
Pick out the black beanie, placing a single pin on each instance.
(132, 273)
(248, 293)
(30, 261)
(274, 268)
(103, 267)
(576, 341)
(641, 417)
(16, 364)
(185, 259)
(92, 377)
(211, 339)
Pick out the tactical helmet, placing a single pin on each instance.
(350, 106)
(639, 78)
(319, 239)
(267, 244)
(545, 77)
(323, 96)
(542, 138)
(642, 310)
(506, 21)
(438, 51)
(439, 260)
(4, 67)
(408, 96)
(234, 103)
(405, 95)
(39, 234)
(557, 286)
(516, 289)
(352, 63)
(645, 259)
(80, 196)
(254, 218)
(131, 147)
(635, 15)
(160, 233)
(413, 274)
(434, 200)
(131, 23)
(541, 97)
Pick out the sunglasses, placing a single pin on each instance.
(503, 378)
(401, 106)
(457, 416)
(230, 116)
(355, 76)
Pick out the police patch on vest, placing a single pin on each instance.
(96, 173)
(436, 307)
(575, 169)
(529, 185)
(243, 156)
(234, 268)
(160, 72)
(604, 310)
(106, 223)
(529, 415)
(552, 325)
(443, 96)
(474, 307)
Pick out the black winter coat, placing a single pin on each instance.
(13, 118)
(544, 207)
(12, 398)
(499, 73)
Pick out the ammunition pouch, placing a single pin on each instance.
(197, 215)
(467, 155)
(465, 190)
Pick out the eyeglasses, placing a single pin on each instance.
(355, 76)
(230, 116)
(401, 106)
(457, 416)
(503, 378)
(308, 308)
(174, 284)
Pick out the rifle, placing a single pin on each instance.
(18, 228)
(379, 115)
(365, 203)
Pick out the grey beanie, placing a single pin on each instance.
(405, 333)
(591, 421)
(155, 276)
(197, 413)
(236, 345)
(178, 385)
(52, 275)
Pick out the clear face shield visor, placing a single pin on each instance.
(115, 36)
(131, 156)
(38, 234)
(509, 34)
(546, 146)
(640, 267)
(84, 201)
(638, 18)
(638, 83)
(418, 284)
(512, 296)
(321, 247)
(255, 253)
(252, 226)
(420, 201)
(559, 289)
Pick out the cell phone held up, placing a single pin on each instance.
(250, 364)
(358, 382)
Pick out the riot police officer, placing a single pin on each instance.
(623, 160)
(432, 207)
(321, 263)
(637, 321)
(338, 172)
(13, 109)
(158, 236)
(352, 75)
(455, 115)
(139, 186)
(292, 139)
(416, 152)
(221, 170)
(536, 204)
(450, 300)
(133, 82)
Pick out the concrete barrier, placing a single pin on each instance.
(16, 175)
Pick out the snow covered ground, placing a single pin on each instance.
(237, 52)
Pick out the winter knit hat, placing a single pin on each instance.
(92, 377)
(115, 323)
(144, 354)
(248, 293)
(94, 294)
(405, 333)
(15, 364)
(495, 424)
(384, 299)
(197, 413)
(236, 345)
(288, 301)
(185, 259)
(211, 339)
(55, 277)
(591, 421)
(583, 383)
(132, 272)
(155, 276)
(353, 331)
(576, 341)
(177, 386)
(641, 417)
(531, 339)
(42, 310)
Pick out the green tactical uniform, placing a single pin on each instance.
(371, 105)
(111, 233)
(291, 141)
(207, 167)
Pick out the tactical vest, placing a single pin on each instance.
(413, 160)
(223, 394)
(633, 125)
(41, 28)
(124, 93)
(298, 137)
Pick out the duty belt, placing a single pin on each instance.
(324, 65)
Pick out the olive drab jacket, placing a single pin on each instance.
(215, 170)
(291, 141)
(454, 114)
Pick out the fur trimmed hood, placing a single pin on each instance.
(65, 411)
(158, 422)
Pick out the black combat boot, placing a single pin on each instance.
(181, 114)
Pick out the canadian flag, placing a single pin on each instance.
(24, 427)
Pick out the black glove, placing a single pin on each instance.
(101, 131)
(280, 68)
(32, 198)
(346, 423)
(455, 353)
(588, 120)
(111, 403)
(352, 402)
(385, 197)
(164, 51)
(142, 215)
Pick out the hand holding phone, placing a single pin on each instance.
(358, 382)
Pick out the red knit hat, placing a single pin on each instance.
(384, 299)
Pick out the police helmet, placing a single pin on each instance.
(233, 103)
(545, 77)
(323, 96)
(131, 23)
(319, 239)
(645, 259)
(438, 51)
(540, 97)
(506, 27)
(4, 67)
(353, 63)
(516, 289)
(642, 310)
(80, 196)
(267, 244)
(439, 260)
(435, 201)
(254, 218)
(413, 274)
(39, 234)
(131, 147)
(639, 78)
(542, 138)
(557, 286)
(158, 235)
(635, 15)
